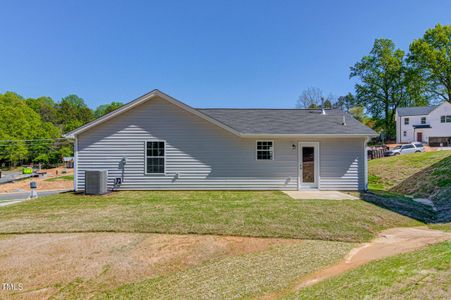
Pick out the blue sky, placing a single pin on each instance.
(206, 53)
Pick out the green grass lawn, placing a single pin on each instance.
(243, 213)
(423, 274)
(243, 276)
(65, 177)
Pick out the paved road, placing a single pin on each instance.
(8, 176)
(11, 198)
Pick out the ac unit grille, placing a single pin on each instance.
(96, 182)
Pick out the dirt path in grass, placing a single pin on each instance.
(389, 242)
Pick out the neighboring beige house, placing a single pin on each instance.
(157, 142)
(426, 124)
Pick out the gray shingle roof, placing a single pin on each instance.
(415, 111)
(287, 121)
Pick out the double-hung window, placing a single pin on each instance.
(265, 150)
(445, 119)
(406, 121)
(423, 120)
(155, 157)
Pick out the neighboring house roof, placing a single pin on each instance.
(415, 111)
(257, 122)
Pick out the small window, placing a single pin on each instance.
(265, 150)
(405, 133)
(155, 157)
(442, 119)
(406, 121)
(423, 120)
(448, 119)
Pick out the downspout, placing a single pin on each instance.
(75, 163)
(365, 155)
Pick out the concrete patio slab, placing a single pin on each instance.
(323, 195)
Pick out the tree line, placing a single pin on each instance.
(389, 78)
(31, 128)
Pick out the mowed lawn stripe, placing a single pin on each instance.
(237, 277)
(242, 213)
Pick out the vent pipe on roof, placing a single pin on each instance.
(344, 120)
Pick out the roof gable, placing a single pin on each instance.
(140, 100)
(257, 122)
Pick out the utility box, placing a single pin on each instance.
(96, 182)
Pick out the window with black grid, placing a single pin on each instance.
(265, 150)
(155, 152)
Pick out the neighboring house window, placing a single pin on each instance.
(448, 119)
(423, 120)
(155, 157)
(405, 133)
(265, 150)
(445, 119)
(406, 121)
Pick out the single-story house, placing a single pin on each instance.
(159, 143)
(425, 124)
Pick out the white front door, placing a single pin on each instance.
(308, 165)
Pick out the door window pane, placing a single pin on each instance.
(308, 164)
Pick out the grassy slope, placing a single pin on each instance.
(236, 277)
(262, 214)
(423, 274)
(419, 174)
(424, 175)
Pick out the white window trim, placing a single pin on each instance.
(145, 158)
(421, 120)
(406, 121)
(256, 150)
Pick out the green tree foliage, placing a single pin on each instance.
(386, 82)
(107, 108)
(29, 127)
(345, 103)
(19, 122)
(431, 56)
(358, 112)
(45, 107)
(73, 113)
(327, 104)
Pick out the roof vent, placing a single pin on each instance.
(323, 111)
(344, 121)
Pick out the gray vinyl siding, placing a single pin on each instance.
(204, 155)
(342, 165)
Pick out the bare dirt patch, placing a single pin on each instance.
(44, 263)
(24, 185)
(390, 242)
